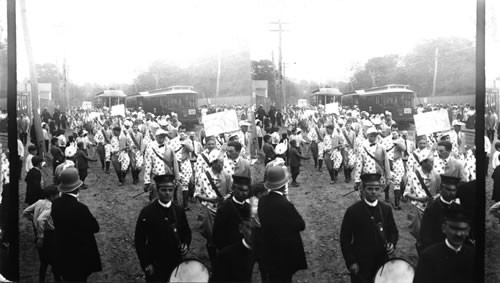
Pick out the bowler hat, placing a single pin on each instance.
(276, 178)
(70, 180)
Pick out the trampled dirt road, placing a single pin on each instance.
(321, 205)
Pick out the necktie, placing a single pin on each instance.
(161, 145)
(458, 139)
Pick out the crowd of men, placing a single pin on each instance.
(247, 218)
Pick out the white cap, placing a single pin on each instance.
(457, 123)
(424, 154)
(70, 151)
(160, 132)
(162, 123)
(244, 123)
(280, 149)
(372, 130)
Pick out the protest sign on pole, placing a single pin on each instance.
(93, 115)
(86, 105)
(220, 122)
(332, 108)
(118, 110)
(432, 122)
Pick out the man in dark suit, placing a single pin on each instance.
(282, 248)
(449, 260)
(162, 233)
(466, 192)
(368, 234)
(430, 229)
(235, 262)
(33, 180)
(77, 255)
(229, 215)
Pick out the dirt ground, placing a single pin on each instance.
(321, 205)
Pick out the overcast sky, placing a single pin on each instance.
(112, 41)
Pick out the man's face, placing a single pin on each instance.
(371, 191)
(232, 153)
(210, 145)
(217, 165)
(116, 133)
(457, 128)
(422, 144)
(160, 139)
(428, 164)
(442, 152)
(240, 192)
(329, 130)
(165, 192)
(244, 129)
(456, 232)
(135, 128)
(372, 138)
(448, 192)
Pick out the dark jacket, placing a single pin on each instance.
(432, 220)
(234, 264)
(76, 249)
(34, 189)
(269, 152)
(57, 154)
(360, 239)
(294, 157)
(155, 241)
(226, 224)
(82, 159)
(438, 263)
(282, 249)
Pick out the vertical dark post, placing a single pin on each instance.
(480, 154)
(12, 201)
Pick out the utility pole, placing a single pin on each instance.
(435, 73)
(280, 66)
(35, 100)
(219, 62)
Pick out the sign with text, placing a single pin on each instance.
(118, 110)
(332, 108)
(220, 122)
(432, 122)
(86, 105)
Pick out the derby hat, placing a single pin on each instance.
(276, 178)
(70, 180)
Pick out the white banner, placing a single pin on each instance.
(220, 122)
(432, 122)
(86, 105)
(118, 110)
(332, 108)
(302, 103)
(93, 115)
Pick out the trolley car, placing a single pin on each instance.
(323, 96)
(395, 98)
(182, 100)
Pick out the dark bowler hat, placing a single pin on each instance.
(449, 180)
(371, 178)
(242, 180)
(70, 180)
(276, 178)
(164, 179)
(456, 212)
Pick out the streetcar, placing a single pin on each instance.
(182, 100)
(325, 95)
(395, 98)
(492, 100)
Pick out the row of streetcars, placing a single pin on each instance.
(395, 98)
(182, 100)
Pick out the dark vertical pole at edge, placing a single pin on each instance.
(13, 199)
(479, 140)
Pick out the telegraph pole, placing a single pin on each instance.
(219, 63)
(280, 66)
(435, 73)
(35, 99)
